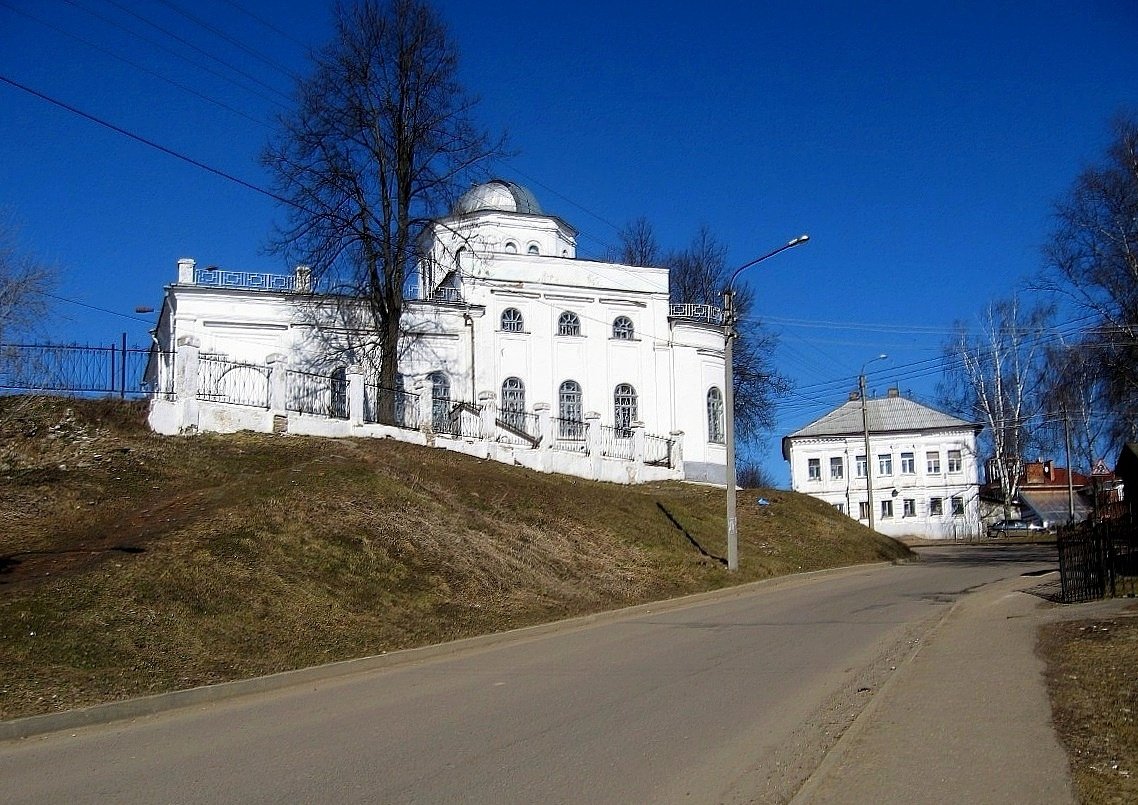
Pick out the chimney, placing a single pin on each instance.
(894, 392)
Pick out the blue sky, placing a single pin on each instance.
(920, 145)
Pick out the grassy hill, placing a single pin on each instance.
(132, 563)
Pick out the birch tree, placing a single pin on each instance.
(994, 376)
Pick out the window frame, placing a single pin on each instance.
(571, 322)
(885, 465)
(837, 468)
(909, 463)
(512, 325)
(814, 469)
(955, 462)
(936, 507)
(623, 329)
(716, 426)
(625, 405)
(932, 462)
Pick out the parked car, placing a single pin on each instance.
(1014, 528)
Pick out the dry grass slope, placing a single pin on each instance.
(132, 563)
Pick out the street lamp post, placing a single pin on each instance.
(865, 430)
(729, 395)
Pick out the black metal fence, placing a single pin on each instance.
(1099, 560)
(114, 369)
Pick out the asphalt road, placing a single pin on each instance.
(734, 699)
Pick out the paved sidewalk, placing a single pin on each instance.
(967, 719)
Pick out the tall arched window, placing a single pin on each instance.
(338, 398)
(624, 409)
(571, 423)
(568, 323)
(715, 431)
(513, 402)
(622, 328)
(512, 321)
(440, 402)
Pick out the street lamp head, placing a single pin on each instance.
(800, 239)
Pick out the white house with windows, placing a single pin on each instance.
(513, 348)
(925, 476)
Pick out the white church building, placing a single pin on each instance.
(512, 349)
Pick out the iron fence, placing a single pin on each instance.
(616, 442)
(76, 369)
(391, 406)
(456, 418)
(519, 427)
(570, 435)
(1098, 560)
(233, 382)
(317, 394)
(657, 450)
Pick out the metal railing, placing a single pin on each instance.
(708, 314)
(518, 427)
(1098, 560)
(456, 418)
(570, 435)
(658, 450)
(446, 294)
(225, 381)
(317, 394)
(76, 369)
(390, 406)
(616, 442)
(244, 280)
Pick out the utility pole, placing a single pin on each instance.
(865, 431)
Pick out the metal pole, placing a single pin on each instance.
(1070, 481)
(122, 385)
(868, 463)
(729, 404)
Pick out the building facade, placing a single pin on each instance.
(570, 356)
(923, 462)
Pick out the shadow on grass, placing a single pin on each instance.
(691, 539)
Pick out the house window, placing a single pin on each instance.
(886, 509)
(863, 510)
(908, 464)
(533, 249)
(932, 462)
(814, 469)
(715, 416)
(568, 324)
(513, 403)
(571, 425)
(440, 402)
(338, 393)
(624, 409)
(622, 329)
(837, 469)
(841, 507)
(957, 506)
(955, 464)
(885, 464)
(910, 508)
(512, 321)
(936, 507)
(861, 465)
(511, 247)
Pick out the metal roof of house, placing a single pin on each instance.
(885, 414)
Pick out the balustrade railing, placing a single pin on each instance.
(570, 435)
(456, 418)
(244, 280)
(708, 314)
(519, 427)
(616, 442)
(657, 450)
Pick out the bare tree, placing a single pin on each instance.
(995, 376)
(1092, 262)
(698, 275)
(1077, 393)
(636, 245)
(383, 139)
(24, 281)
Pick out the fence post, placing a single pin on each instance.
(544, 426)
(187, 381)
(638, 442)
(424, 389)
(676, 456)
(488, 402)
(186, 271)
(278, 382)
(355, 394)
(593, 441)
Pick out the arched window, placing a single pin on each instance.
(440, 402)
(568, 323)
(533, 249)
(511, 247)
(622, 328)
(512, 321)
(338, 398)
(715, 416)
(571, 422)
(624, 409)
(513, 402)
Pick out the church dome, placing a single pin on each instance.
(498, 195)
